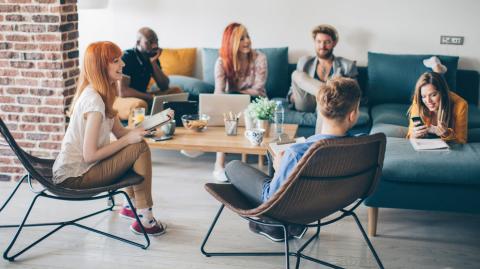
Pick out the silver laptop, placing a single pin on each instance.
(215, 105)
(158, 101)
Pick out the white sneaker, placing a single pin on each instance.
(191, 153)
(219, 175)
(434, 61)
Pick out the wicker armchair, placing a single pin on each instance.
(334, 175)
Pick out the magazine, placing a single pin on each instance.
(429, 144)
(156, 120)
(274, 148)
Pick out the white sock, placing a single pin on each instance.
(125, 203)
(191, 153)
(432, 62)
(146, 217)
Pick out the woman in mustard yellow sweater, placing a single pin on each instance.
(444, 113)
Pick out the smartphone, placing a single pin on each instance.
(163, 138)
(151, 134)
(417, 121)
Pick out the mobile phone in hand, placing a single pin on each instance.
(417, 121)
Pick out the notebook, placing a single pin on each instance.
(181, 108)
(429, 144)
(275, 148)
(158, 101)
(156, 120)
(215, 105)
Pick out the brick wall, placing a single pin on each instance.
(38, 75)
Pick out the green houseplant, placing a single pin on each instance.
(262, 109)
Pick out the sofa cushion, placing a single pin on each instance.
(473, 135)
(402, 163)
(364, 117)
(209, 57)
(193, 86)
(395, 114)
(277, 60)
(390, 130)
(307, 119)
(178, 61)
(473, 117)
(310, 118)
(392, 78)
(467, 85)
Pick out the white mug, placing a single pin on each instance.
(255, 136)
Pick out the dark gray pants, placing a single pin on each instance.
(248, 180)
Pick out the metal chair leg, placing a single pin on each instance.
(297, 264)
(13, 192)
(379, 262)
(287, 249)
(5, 254)
(71, 222)
(202, 248)
(211, 254)
(299, 251)
(111, 201)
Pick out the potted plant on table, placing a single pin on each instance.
(262, 109)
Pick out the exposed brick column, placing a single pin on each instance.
(38, 75)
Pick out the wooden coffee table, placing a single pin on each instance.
(214, 139)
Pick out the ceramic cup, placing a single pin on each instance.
(255, 136)
(168, 128)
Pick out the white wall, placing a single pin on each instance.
(402, 26)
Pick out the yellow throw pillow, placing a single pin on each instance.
(178, 61)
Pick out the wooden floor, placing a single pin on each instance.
(407, 239)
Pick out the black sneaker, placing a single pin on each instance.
(273, 233)
(297, 231)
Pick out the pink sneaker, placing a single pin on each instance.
(155, 230)
(126, 213)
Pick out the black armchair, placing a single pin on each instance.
(41, 170)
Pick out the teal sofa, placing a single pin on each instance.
(277, 86)
(279, 79)
(443, 181)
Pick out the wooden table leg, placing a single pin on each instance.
(372, 221)
(261, 160)
(244, 157)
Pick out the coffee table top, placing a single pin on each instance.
(214, 139)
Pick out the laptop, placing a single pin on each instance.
(158, 101)
(215, 105)
(181, 108)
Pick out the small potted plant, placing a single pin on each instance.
(262, 109)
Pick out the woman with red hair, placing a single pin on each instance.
(239, 69)
(87, 158)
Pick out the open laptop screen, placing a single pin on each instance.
(158, 101)
(181, 108)
(215, 105)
